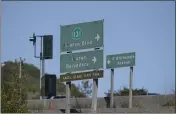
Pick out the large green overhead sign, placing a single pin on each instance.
(81, 36)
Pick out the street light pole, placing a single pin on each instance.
(41, 67)
(43, 55)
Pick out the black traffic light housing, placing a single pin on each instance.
(33, 39)
(50, 85)
(48, 46)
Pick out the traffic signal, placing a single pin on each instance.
(48, 46)
(50, 85)
(33, 39)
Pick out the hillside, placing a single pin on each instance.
(33, 82)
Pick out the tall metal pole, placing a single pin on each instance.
(41, 59)
(131, 87)
(94, 95)
(41, 67)
(68, 88)
(43, 73)
(112, 89)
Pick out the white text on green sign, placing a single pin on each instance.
(120, 60)
(81, 36)
(81, 61)
(81, 76)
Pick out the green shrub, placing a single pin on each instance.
(14, 94)
(170, 103)
(138, 106)
(124, 105)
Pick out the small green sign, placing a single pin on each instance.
(120, 60)
(81, 76)
(77, 33)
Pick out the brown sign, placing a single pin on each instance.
(81, 76)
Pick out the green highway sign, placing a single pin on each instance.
(80, 76)
(120, 60)
(81, 36)
(81, 61)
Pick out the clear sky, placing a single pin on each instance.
(147, 28)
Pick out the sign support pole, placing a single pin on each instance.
(94, 95)
(130, 87)
(68, 88)
(43, 73)
(42, 59)
(112, 89)
(41, 67)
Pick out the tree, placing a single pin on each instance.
(14, 93)
(76, 92)
(108, 94)
(60, 87)
(125, 92)
(86, 88)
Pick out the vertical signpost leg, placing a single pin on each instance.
(43, 74)
(112, 89)
(94, 95)
(41, 69)
(130, 87)
(68, 88)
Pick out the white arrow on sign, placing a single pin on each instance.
(97, 37)
(108, 61)
(94, 59)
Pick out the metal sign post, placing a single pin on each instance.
(68, 89)
(112, 89)
(94, 95)
(43, 74)
(131, 87)
(41, 67)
